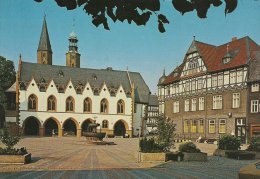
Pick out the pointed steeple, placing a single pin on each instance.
(44, 52)
(44, 43)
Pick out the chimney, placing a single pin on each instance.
(233, 39)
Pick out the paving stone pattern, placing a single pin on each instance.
(69, 157)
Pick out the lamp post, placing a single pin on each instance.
(138, 156)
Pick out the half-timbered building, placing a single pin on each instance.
(207, 94)
(253, 105)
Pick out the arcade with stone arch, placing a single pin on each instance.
(32, 126)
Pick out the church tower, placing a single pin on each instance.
(44, 52)
(73, 56)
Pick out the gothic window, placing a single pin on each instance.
(104, 106)
(51, 103)
(69, 104)
(87, 105)
(32, 102)
(104, 124)
(120, 106)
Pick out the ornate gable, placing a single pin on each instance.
(193, 62)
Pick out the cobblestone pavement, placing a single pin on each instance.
(74, 158)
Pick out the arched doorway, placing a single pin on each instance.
(119, 128)
(50, 127)
(70, 127)
(31, 126)
(85, 126)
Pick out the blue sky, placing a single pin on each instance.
(142, 49)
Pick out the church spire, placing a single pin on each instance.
(44, 52)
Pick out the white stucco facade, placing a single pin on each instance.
(60, 114)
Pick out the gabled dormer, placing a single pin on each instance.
(193, 62)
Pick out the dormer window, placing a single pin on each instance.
(226, 60)
(96, 92)
(61, 74)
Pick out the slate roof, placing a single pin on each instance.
(61, 75)
(241, 50)
(153, 100)
(254, 68)
(44, 43)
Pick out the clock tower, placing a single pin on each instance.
(73, 56)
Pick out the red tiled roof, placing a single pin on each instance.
(242, 49)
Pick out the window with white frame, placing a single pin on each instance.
(217, 102)
(200, 84)
(174, 89)
(212, 127)
(236, 100)
(254, 106)
(193, 104)
(239, 76)
(186, 126)
(220, 80)
(222, 126)
(187, 86)
(168, 90)
(193, 85)
(214, 81)
(176, 107)
(187, 105)
(233, 77)
(201, 126)
(201, 103)
(255, 87)
(193, 128)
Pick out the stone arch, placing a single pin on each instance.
(31, 126)
(70, 126)
(51, 124)
(85, 123)
(120, 128)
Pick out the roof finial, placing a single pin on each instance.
(194, 37)
(73, 25)
(163, 71)
(20, 56)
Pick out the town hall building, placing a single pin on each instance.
(66, 99)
